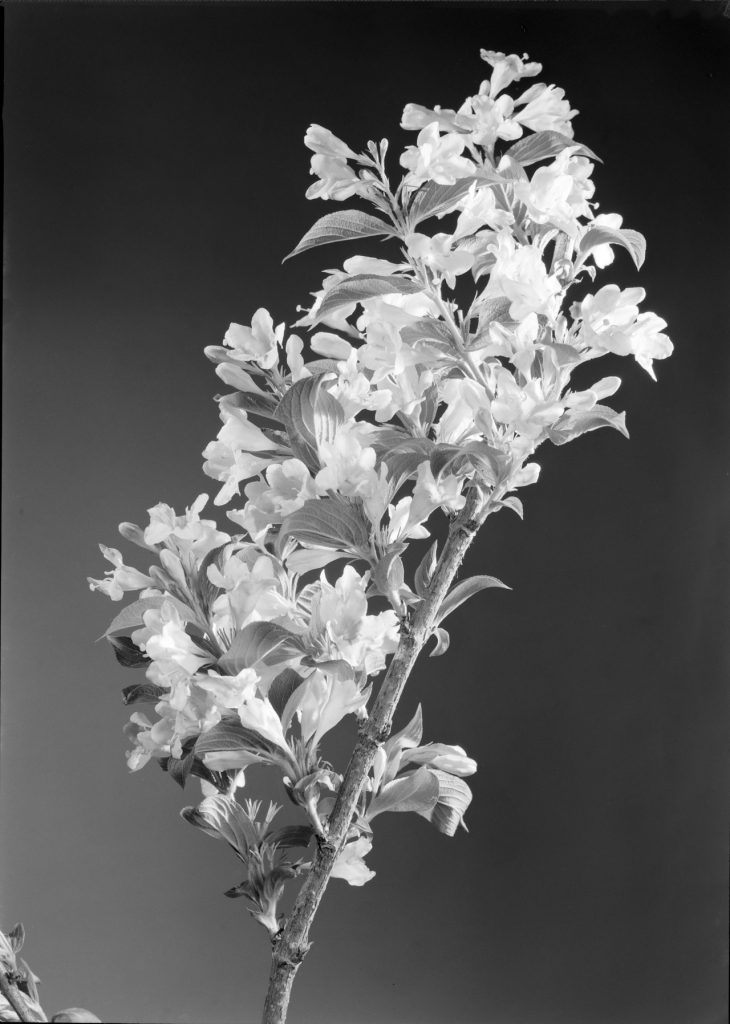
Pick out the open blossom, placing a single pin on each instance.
(350, 864)
(187, 531)
(612, 323)
(437, 252)
(121, 579)
(602, 255)
(487, 119)
(430, 493)
(520, 274)
(436, 158)
(257, 343)
(324, 703)
(341, 622)
(544, 109)
(558, 194)
(287, 486)
(507, 69)
(478, 209)
(526, 409)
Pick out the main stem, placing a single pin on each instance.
(15, 998)
(292, 943)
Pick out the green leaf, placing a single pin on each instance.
(179, 768)
(229, 736)
(633, 241)
(341, 227)
(577, 422)
(264, 642)
(329, 523)
(139, 692)
(463, 591)
(432, 199)
(542, 145)
(454, 797)
(282, 688)
(428, 332)
(261, 408)
(360, 287)
(426, 569)
(417, 791)
(513, 502)
(443, 642)
(127, 653)
(311, 416)
(291, 835)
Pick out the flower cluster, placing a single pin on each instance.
(335, 453)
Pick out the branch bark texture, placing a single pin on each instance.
(292, 943)
(15, 998)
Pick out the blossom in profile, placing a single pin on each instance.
(258, 343)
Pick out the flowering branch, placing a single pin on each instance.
(292, 943)
(402, 405)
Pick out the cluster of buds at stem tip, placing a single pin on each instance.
(407, 386)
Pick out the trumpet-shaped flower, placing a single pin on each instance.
(436, 158)
(119, 580)
(521, 275)
(558, 194)
(341, 625)
(437, 253)
(350, 864)
(544, 109)
(507, 69)
(287, 486)
(258, 343)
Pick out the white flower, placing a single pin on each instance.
(545, 109)
(336, 179)
(602, 255)
(321, 140)
(489, 119)
(432, 492)
(288, 485)
(324, 702)
(165, 640)
(608, 317)
(350, 864)
(464, 400)
(436, 252)
(436, 158)
(440, 755)
(341, 622)
(187, 531)
(229, 691)
(648, 342)
(479, 208)
(558, 194)
(525, 409)
(257, 343)
(507, 69)
(120, 579)
(520, 274)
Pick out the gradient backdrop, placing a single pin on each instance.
(155, 178)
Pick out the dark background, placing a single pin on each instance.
(155, 178)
